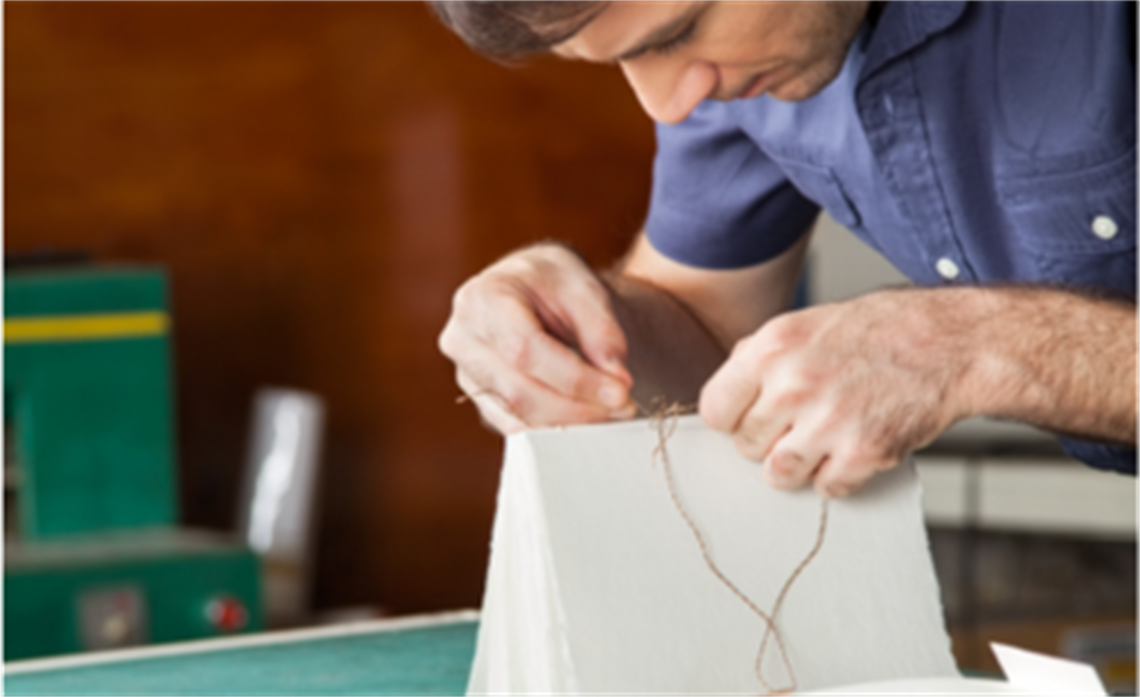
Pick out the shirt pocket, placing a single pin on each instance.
(1077, 225)
(820, 185)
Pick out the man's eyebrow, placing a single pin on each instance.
(661, 34)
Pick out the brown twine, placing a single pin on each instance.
(663, 416)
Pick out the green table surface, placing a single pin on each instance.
(416, 656)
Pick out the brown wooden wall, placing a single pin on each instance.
(317, 178)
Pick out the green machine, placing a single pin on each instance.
(94, 558)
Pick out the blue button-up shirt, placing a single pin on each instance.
(966, 142)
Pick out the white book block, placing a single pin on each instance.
(596, 584)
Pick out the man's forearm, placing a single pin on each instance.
(671, 354)
(1060, 360)
(681, 321)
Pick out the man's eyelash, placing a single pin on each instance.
(677, 41)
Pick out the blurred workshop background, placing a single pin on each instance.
(309, 183)
(316, 179)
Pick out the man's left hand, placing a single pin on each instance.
(838, 392)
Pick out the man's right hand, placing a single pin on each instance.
(535, 343)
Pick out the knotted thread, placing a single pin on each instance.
(663, 417)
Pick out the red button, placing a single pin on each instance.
(227, 613)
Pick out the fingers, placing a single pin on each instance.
(518, 337)
(535, 343)
(790, 445)
(794, 459)
(795, 453)
(526, 398)
(795, 456)
(847, 473)
(592, 326)
(729, 394)
(783, 416)
(494, 412)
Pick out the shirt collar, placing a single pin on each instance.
(905, 25)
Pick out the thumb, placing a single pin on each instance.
(602, 341)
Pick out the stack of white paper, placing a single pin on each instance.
(596, 584)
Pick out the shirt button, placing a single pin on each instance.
(1104, 227)
(947, 269)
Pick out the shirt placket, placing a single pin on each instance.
(891, 112)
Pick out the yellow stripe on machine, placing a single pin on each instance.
(123, 325)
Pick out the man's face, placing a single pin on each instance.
(675, 54)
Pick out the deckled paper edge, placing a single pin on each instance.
(947, 647)
(498, 671)
(1037, 672)
(559, 676)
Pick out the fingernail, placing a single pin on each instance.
(831, 491)
(627, 412)
(612, 395)
(615, 367)
(775, 480)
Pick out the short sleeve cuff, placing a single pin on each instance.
(764, 230)
(1101, 456)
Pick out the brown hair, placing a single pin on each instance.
(507, 30)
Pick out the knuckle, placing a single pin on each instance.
(841, 479)
(749, 448)
(558, 253)
(531, 268)
(449, 342)
(712, 414)
(780, 334)
(788, 398)
(849, 472)
(790, 392)
(514, 399)
(595, 290)
(539, 262)
(866, 451)
(778, 331)
(511, 263)
(592, 416)
(445, 341)
(785, 463)
(610, 335)
(504, 425)
(740, 346)
(517, 350)
(466, 296)
(836, 489)
(886, 464)
(580, 383)
(492, 291)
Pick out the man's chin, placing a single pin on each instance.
(794, 91)
(805, 86)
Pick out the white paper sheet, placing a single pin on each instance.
(597, 585)
(1046, 675)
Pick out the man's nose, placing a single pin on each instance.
(670, 93)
